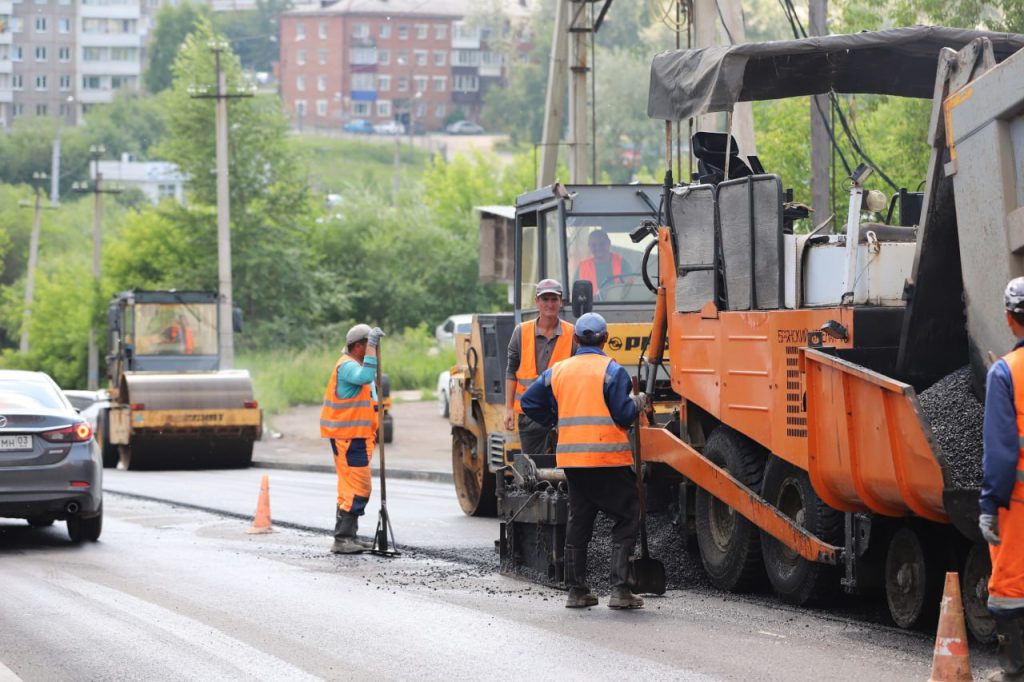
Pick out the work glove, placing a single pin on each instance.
(374, 337)
(642, 401)
(989, 525)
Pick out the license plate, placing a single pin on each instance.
(15, 443)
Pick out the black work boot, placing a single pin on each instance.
(1011, 650)
(622, 597)
(580, 595)
(345, 540)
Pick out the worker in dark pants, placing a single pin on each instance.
(535, 345)
(1002, 491)
(588, 396)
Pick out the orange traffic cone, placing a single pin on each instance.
(951, 661)
(261, 522)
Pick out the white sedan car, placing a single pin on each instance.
(443, 393)
(389, 128)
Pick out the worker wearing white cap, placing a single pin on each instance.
(349, 418)
(535, 345)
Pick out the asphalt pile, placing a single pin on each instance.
(956, 418)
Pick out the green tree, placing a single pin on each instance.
(174, 22)
(253, 33)
(130, 124)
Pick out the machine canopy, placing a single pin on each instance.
(898, 61)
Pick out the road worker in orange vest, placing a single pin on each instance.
(535, 345)
(588, 396)
(349, 418)
(1002, 491)
(603, 268)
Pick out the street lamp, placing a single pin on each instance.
(38, 182)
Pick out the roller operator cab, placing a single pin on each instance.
(171, 403)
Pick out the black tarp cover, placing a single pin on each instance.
(899, 61)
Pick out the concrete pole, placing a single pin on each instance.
(821, 146)
(396, 180)
(743, 112)
(55, 168)
(578, 108)
(225, 327)
(555, 101)
(97, 221)
(30, 277)
(704, 22)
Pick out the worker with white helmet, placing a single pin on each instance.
(349, 418)
(1002, 491)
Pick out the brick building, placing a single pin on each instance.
(377, 59)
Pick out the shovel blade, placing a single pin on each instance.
(646, 576)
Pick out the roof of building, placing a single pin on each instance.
(423, 8)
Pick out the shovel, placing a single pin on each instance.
(381, 545)
(646, 575)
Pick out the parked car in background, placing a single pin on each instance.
(50, 466)
(358, 125)
(453, 324)
(95, 407)
(389, 128)
(443, 391)
(464, 128)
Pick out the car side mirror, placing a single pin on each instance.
(582, 297)
(236, 320)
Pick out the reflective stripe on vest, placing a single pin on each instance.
(528, 372)
(1006, 586)
(588, 270)
(587, 434)
(347, 418)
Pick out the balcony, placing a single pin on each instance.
(6, 95)
(6, 66)
(6, 7)
(107, 67)
(126, 11)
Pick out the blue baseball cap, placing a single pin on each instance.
(591, 325)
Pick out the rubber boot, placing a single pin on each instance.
(580, 596)
(622, 597)
(345, 540)
(1010, 651)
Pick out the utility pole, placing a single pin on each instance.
(39, 179)
(97, 190)
(821, 181)
(555, 101)
(578, 94)
(225, 314)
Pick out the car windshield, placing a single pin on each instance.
(600, 250)
(29, 395)
(175, 329)
(464, 328)
(80, 402)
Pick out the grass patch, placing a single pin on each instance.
(283, 378)
(334, 162)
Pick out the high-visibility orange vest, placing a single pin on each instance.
(527, 372)
(346, 418)
(588, 270)
(1006, 586)
(587, 434)
(190, 342)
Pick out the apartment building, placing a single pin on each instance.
(384, 59)
(59, 57)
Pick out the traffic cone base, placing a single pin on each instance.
(261, 522)
(951, 661)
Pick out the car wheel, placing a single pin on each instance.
(81, 529)
(389, 428)
(442, 403)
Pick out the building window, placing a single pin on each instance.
(321, 29)
(321, 83)
(402, 56)
(40, 110)
(384, 108)
(41, 25)
(440, 83)
(64, 25)
(440, 31)
(421, 57)
(383, 83)
(465, 83)
(403, 31)
(360, 30)
(361, 108)
(40, 83)
(5, 53)
(64, 54)
(421, 31)
(124, 54)
(362, 81)
(363, 55)
(439, 110)
(300, 57)
(40, 54)
(491, 59)
(65, 82)
(466, 58)
(300, 83)
(322, 56)
(403, 83)
(16, 24)
(93, 54)
(440, 57)
(383, 57)
(166, 191)
(385, 30)
(321, 107)
(90, 82)
(17, 81)
(421, 83)
(300, 31)
(118, 82)
(17, 109)
(65, 110)
(300, 107)
(16, 53)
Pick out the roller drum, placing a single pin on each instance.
(179, 391)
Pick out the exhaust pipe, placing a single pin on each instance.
(72, 507)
